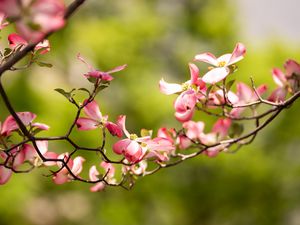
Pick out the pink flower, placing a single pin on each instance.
(194, 83)
(185, 105)
(94, 176)
(10, 125)
(219, 132)
(5, 174)
(292, 67)
(32, 156)
(3, 23)
(36, 18)
(75, 166)
(246, 95)
(221, 64)
(159, 148)
(16, 41)
(95, 119)
(133, 147)
(105, 76)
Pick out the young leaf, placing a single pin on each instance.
(43, 64)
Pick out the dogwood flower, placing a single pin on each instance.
(221, 64)
(133, 147)
(246, 95)
(64, 175)
(94, 176)
(35, 17)
(105, 76)
(95, 119)
(16, 41)
(10, 125)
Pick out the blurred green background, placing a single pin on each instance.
(156, 38)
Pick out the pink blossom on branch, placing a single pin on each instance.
(10, 125)
(222, 64)
(105, 76)
(16, 41)
(35, 18)
(95, 119)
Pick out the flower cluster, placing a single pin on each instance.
(130, 155)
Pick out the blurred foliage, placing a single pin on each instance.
(258, 185)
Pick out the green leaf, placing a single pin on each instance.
(43, 64)
(229, 84)
(7, 51)
(208, 90)
(67, 95)
(85, 90)
(236, 130)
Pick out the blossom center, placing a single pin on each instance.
(133, 136)
(222, 64)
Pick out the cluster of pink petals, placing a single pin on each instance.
(191, 92)
(35, 18)
(194, 131)
(136, 148)
(25, 153)
(10, 125)
(93, 73)
(108, 176)
(64, 175)
(221, 64)
(286, 82)
(95, 119)
(246, 95)
(17, 42)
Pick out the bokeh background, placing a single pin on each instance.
(157, 38)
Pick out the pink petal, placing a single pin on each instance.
(41, 126)
(92, 110)
(184, 115)
(42, 146)
(98, 187)
(50, 155)
(60, 178)
(133, 152)
(279, 77)
(194, 71)
(29, 152)
(108, 167)
(215, 75)
(244, 92)
(160, 144)
(237, 54)
(193, 129)
(291, 67)
(93, 173)
(117, 69)
(207, 58)
(121, 123)
(169, 88)
(184, 142)
(86, 124)
(223, 60)
(222, 127)
(114, 129)
(5, 174)
(185, 101)
(83, 60)
(44, 46)
(16, 40)
(120, 146)
(77, 165)
(278, 95)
